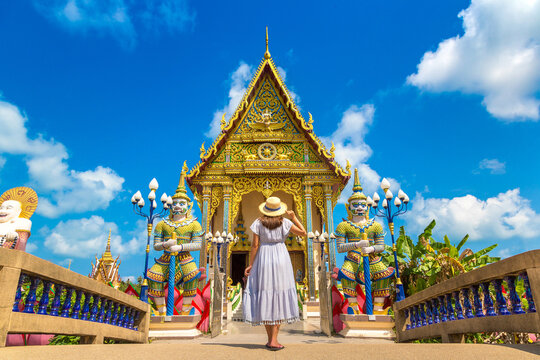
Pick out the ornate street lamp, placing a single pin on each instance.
(138, 204)
(400, 203)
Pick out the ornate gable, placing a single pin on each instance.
(267, 133)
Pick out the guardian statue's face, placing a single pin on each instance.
(9, 210)
(180, 207)
(358, 207)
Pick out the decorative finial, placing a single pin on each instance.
(203, 150)
(223, 122)
(181, 192)
(356, 187)
(333, 150)
(267, 53)
(348, 167)
(107, 254)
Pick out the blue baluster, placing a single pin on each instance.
(135, 318)
(86, 307)
(67, 303)
(435, 310)
(121, 315)
(449, 307)
(428, 313)
(514, 298)
(95, 308)
(467, 303)
(499, 297)
(108, 314)
(125, 323)
(442, 309)
(418, 318)
(478, 310)
(488, 302)
(55, 306)
(18, 294)
(413, 318)
(132, 319)
(406, 312)
(31, 297)
(528, 292)
(459, 309)
(101, 314)
(422, 315)
(77, 306)
(44, 302)
(114, 319)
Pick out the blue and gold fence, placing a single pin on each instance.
(497, 297)
(39, 297)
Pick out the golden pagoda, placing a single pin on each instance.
(265, 149)
(106, 268)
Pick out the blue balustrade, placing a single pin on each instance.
(114, 319)
(428, 313)
(449, 307)
(101, 314)
(514, 298)
(18, 294)
(528, 293)
(77, 305)
(127, 318)
(135, 318)
(86, 307)
(408, 326)
(108, 313)
(55, 306)
(442, 309)
(422, 314)
(131, 319)
(467, 303)
(478, 310)
(31, 297)
(435, 311)
(459, 309)
(499, 297)
(95, 308)
(67, 303)
(121, 315)
(488, 302)
(44, 302)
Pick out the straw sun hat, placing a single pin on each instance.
(273, 206)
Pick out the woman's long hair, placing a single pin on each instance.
(271, 222)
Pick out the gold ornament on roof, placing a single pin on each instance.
(26, 196)
(203, 151)
(333, 150)
(223, 123)
(267, 53)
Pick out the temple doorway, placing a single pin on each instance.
(239, 262)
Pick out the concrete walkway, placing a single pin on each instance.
(301, 340)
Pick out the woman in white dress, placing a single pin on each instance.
(270, 297)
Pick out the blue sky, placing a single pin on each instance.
(97, 98)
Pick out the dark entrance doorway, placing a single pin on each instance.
(238, 265)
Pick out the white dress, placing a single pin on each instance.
(270, 296)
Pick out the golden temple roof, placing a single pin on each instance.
(268, 70)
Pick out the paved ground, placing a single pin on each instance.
(301, 340)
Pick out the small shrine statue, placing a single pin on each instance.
(16, 207)
(188, 238)
(352, 239)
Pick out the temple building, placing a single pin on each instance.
(266, 148)
(106, 268)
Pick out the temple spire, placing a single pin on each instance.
(267, 53)
(107, 254)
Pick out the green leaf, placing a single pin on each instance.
(484, 251)
(462, 242)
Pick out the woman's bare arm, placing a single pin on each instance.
(253, 253)
(297, 228)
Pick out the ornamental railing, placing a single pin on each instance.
(39, 297)
(482, 300)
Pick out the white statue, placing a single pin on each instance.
(16, 207)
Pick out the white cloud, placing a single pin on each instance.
(283, 73)
(350, 145)
(2, 162)
(87, 237)
(60, 188)
(117, 17)
(239, 81)
(504, 216)
(497, 57)
(495, 166)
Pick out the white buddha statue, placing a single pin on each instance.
(16, 207)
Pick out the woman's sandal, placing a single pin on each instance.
(275, 348)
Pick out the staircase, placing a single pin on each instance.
(238, 312)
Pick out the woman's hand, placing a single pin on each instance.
(291, 214)
(248, 270)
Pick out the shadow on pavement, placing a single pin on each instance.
(245, 346)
